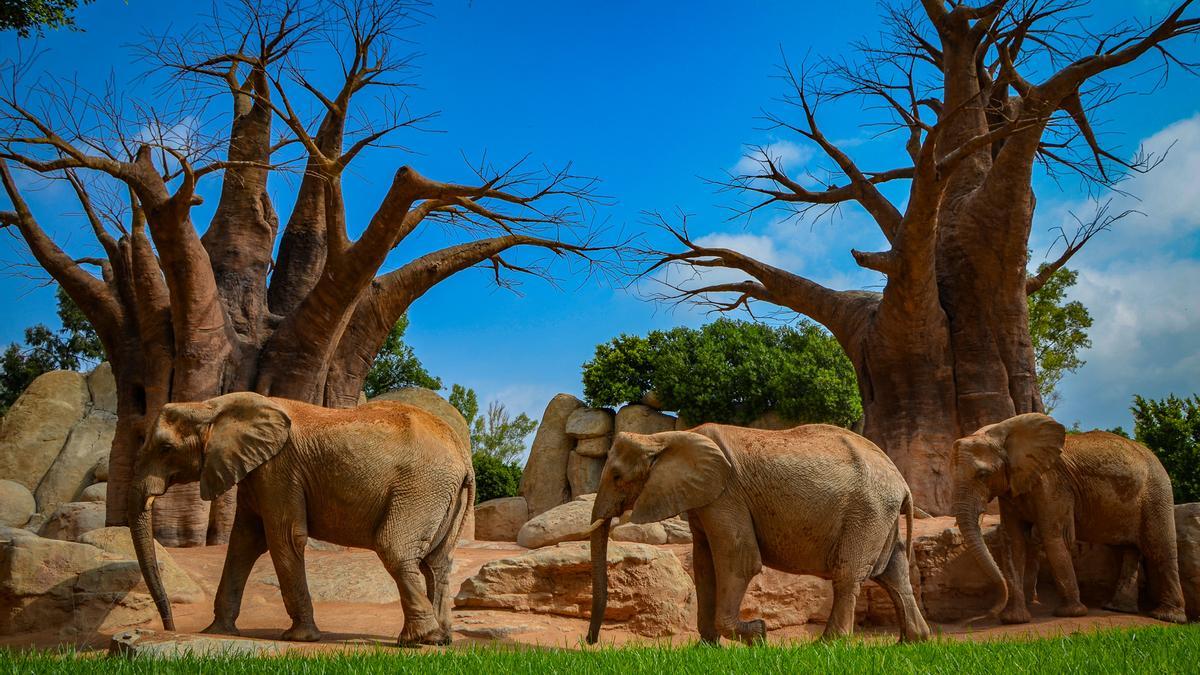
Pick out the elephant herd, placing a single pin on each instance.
(815, 499)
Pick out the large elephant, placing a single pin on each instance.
(815, 499)
(385, 476)
(1095, 487)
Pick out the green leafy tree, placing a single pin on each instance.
(1170, 427)
(1058, 330)
(28, 16)
(75, 346)
(396, 366)
(497, 442)
(729, 371)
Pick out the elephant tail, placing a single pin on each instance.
(466, 500)
(907, 507)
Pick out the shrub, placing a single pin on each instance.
(495, 478)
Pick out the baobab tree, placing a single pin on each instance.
(299, 310)
(980, 97)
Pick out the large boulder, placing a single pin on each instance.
(544, 483)
(72, 520)
(100, 471)
(500, 519)
(568, 522)
(670, 531)
(103, 387)
(16, 504)
(1187, 536)
(116, 541)
(649, 591)
(593, 447)
(35, 428)
(590, 423)
(358, 577)
(642, 419)
(79, 588)
(97, 492)
(89, 442)
(583, 474)
(430, 401)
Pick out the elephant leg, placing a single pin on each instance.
(1058, 554)
(896, 581)
(436, 569)
(247, 543)
(286, 542)
(1125, 595)
(1016, 567)
(1030, 574)
(736, 560)
(845, 599)
(404, 544)
(706, 587)
(1158, 548)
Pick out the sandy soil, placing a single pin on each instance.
(350, 625)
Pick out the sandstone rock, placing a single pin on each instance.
(100, 471)
(678, 531)
(544, 482)
(648, 588)
(500, 519)
(1187, 537)
(71, 471)
(71, 520)
(151, 644)
(16, 504)
(181, 588)
(649, 533)
(583, 474)
(431, 401)
(593, 447)
(94, 493)
(103, 387)
(590, 423)
(642, 419)
(568, 522)
(781, 599)
(771, 420)
(37, 425)
(652, 399)
(79, 588)
(355, 577)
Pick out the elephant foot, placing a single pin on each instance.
(418, 633)
(222, 628)
(753, 632)
(1169, 614)
(1015, 616)
(1122, 605)
(1071, 609)
(302, 632)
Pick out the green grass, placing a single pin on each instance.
(1144, 650)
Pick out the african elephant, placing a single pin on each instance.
(815, 499)
(385, 476)
(1095, 487)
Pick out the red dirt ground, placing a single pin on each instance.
(350, 625)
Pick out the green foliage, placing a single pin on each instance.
(72, 347)
(27, 16)
(396, 366)
(1058, 330)
(494, 477)
(1171, 429)
(1153, 649)
(729, 371)
(495, 433)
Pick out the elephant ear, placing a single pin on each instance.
(690, 471)
(246, 430)
(1033, 443)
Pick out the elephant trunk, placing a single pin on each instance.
(966, 513)
(599, 579)
(141, 530)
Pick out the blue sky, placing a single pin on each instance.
(652, 98)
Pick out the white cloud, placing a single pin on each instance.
(788, 156)
(1139, 282)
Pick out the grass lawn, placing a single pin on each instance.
(1143, 650)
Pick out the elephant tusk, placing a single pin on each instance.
(149, 503)
(594, 526)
